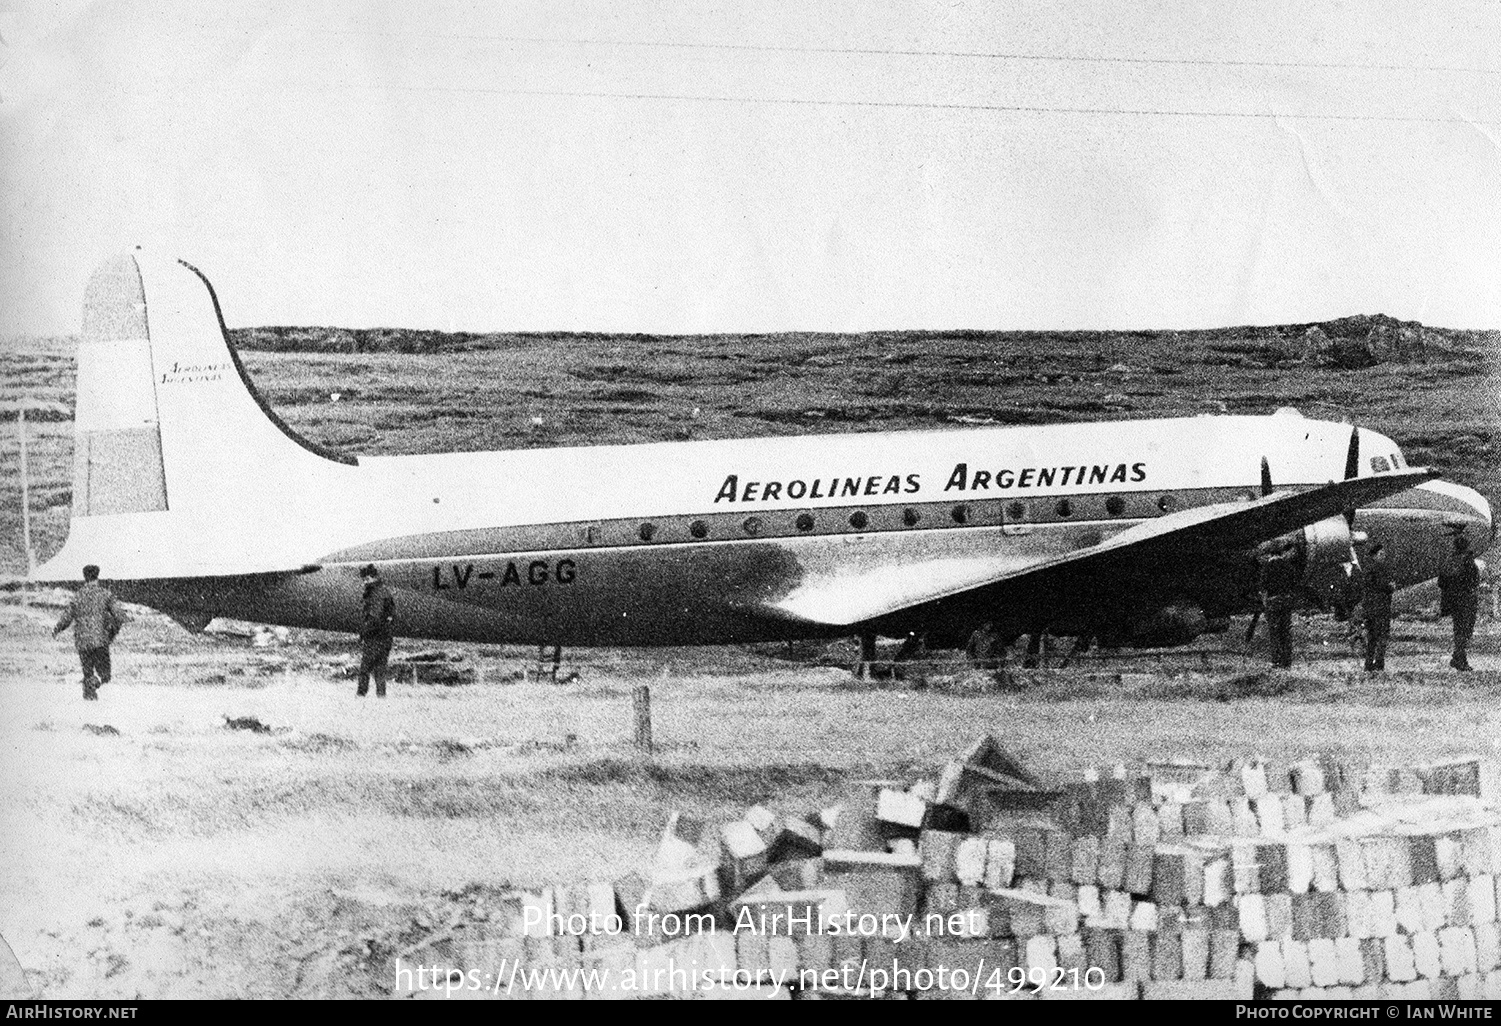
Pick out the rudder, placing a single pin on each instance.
(117, 452)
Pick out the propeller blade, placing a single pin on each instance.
(1266, 477)
(1352, 469)
(1251, 630)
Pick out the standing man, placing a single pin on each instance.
(96, 619)
(1279, 587)
(1033, 659)
(1459, 586)
(1377, 602)
(376, 613)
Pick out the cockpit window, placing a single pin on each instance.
(1397, 461)
(1379, 464)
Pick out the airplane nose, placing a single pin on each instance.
(1467, 510)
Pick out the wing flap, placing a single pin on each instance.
(852, 598)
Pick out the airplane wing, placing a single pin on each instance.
(1179, 539)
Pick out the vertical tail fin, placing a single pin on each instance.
(180, 468)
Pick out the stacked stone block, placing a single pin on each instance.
(1318, 879)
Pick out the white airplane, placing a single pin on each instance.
(196, 499)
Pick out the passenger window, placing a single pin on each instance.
(1379, 464)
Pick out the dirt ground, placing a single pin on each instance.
(150, 850)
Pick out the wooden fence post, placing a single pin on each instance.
(642, 702)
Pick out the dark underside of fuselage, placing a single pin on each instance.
(720, 578)
(710, 593)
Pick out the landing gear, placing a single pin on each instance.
(914, 646)
(865, 668)
(1081, 645)
(1036, 651)
(542, 661)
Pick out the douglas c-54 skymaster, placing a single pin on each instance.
(196, 499)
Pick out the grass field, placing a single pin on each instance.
(178, 857)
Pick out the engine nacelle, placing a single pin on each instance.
(1327, 543)
(1318, 547)
(1324, 552)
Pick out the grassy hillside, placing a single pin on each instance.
(1434, 390)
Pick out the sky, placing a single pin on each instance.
(648, 166)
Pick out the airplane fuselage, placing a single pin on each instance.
(193, 497)
(519, 546)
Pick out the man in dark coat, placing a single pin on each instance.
(1280, 579)
(1459, 588)
(377, 611)
(1377, 603)
(96, 619)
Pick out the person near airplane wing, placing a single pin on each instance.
(1459, 588)
(1376, 601)
(1280, 580)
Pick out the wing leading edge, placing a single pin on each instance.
(871, 595)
